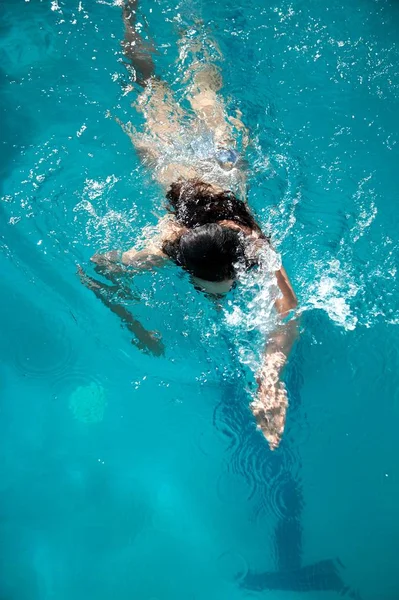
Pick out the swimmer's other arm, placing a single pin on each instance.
(150, 257)
(270, 405)
(111, 265)
(115, 261)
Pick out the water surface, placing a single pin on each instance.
(140, 477)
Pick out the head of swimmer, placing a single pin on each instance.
(211, 252)
(208, 250)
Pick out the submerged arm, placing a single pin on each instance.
(146, 341)
(283, 337)
(270, 405)
(114, 263)
(111, 264)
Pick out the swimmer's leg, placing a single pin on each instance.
(206, 82)
(208, 104)
(164, 125)
(138, 51)
(163, 116)
(210, 107)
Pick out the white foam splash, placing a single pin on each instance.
(95, 189)
(332, 292)
(365, 200)
(253, 308)
(81, 130)
(55, 6)
(116, 3)
(104, 222)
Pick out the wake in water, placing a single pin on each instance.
(338, 280)
(210, 232)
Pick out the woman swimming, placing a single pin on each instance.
(209, 230)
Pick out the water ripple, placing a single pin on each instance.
(45, 352)
(232, 566)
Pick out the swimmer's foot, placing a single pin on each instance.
(189, 42)
(197, 48)
(130, 12)
(136, 49)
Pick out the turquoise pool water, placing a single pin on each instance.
(129, 476)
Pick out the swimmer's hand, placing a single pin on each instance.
(144, 340)
(106, 258)
(270, 406)
(147, 341)
(109, 262)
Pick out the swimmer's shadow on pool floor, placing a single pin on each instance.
(320, 576)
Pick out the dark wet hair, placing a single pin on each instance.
(195, 203)
(210, 252)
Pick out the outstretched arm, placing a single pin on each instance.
(113, 265)
(270, 405)
(138, 260)
(147, 341)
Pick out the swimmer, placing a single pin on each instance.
(209, 230)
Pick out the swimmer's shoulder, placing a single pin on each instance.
(150, 256)
(249, 232)
(167, 230)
